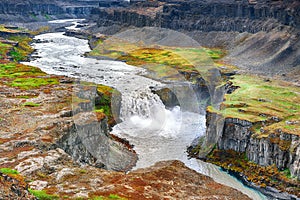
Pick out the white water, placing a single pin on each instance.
(157, 133)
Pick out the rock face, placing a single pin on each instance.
(218, 15)
(34, 10)
(88, 142)
(82, 133)
(190, 97)
(280, 148)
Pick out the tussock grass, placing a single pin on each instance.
(275, 103)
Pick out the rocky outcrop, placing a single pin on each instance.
(280, 149)
(89, 142)
(190, 97)
(260, 161)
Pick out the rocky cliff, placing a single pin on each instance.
(281, 149)
(240, 16)
(238, 26)
(88, 142)
(25, 11)
(278, 149)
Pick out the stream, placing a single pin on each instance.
(157, 133)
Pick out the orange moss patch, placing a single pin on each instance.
(47, 138)
(100, 116)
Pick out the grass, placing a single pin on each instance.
(4, 49)
(23, 49)
(24, 77)
(30, 83)
(42, 195)
(163, 61)
(275, 103)
(8, 171)
(31, 104)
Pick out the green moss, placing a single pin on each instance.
(98, 198)
(164, 61)
(24, 97)
(42, 195)
(104, 104)
(258, 100)
(47, 17)
(23, 76)
(31, 104)
(115, 196)
(23, 49)
(8, 171)
(3, 29)
(287, 173)
(4, 49)
(42, 29)
(13, 70)
(83, 171)
(109, 197)
(30, 83)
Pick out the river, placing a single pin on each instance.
(156, 132)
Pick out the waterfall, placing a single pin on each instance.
(156, 132)
(147, 115)
(140, 103)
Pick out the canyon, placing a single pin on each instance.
(259, 37)
(55, 144)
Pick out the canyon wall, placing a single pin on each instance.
(88, 142)
(238, 26)
(279, 148)
(33, 10)
(205, 16)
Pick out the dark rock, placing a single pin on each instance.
(88, 142)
